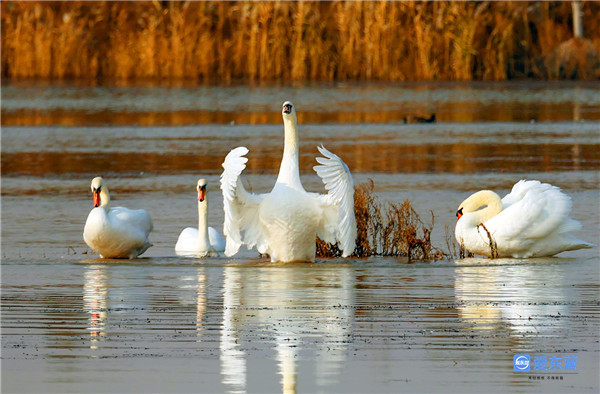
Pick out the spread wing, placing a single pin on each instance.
(241, 208)
(338, 222)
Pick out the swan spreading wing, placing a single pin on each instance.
(340, 195)
(241, 225)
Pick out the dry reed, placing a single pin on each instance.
(389, 229)
(303, 40)
(455, 249)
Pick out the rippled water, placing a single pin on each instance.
(75, 323)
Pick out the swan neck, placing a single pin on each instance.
(203, 241)
(494, 206)
(289, 172)
(105, 198)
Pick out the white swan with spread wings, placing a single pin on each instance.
(285, 222)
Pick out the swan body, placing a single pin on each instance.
(204, 240)
(531, 221)
(285, 222)
(115, 233)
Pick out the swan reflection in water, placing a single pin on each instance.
(290, 309)
(95, 291)
(233, 362)
(193, 292)
(521, 296)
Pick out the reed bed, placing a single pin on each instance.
(297, 41)
(386, 229)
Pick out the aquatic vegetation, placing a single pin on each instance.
(455, 250)
(304, 40)
(386, 229)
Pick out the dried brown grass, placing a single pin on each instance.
(386, 229)
(455, 250)
(281, 40)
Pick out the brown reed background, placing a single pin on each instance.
(304, 40)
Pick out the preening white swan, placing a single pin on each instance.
(115, 233)
(203, 240)
(285, 222)
(531, 221)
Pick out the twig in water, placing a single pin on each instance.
(492, 243)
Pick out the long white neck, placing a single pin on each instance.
(289, 172)
(203, 240)
(105, 198)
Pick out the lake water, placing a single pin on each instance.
(74, 323)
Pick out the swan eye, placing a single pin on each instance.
(459, 213)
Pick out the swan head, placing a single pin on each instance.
(98, 189)
(288, 111)
(485, 202)
(201, 187)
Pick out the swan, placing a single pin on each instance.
(286, 222)
(531, 221)
(203, 240)
(115, 233)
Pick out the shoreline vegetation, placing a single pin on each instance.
(224, 42)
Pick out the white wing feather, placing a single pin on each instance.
(340, 193)
(137, 218)
(216, 240)
(534, 211)
(241, 223)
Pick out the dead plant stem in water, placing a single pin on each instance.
(491, 242)
(386, 229)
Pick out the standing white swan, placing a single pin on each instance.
(285, 222)
(531, 221)
(115, 233)
(203, 240)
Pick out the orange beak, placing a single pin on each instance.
(459, 214)
(96, 198)
(201, 194)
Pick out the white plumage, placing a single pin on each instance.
(115, 232)
(204, 240)
(285, 222)
(531, 221)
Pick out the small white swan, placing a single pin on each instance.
(531, 221)
(286, 222)
(115, 233)
(204, 240)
